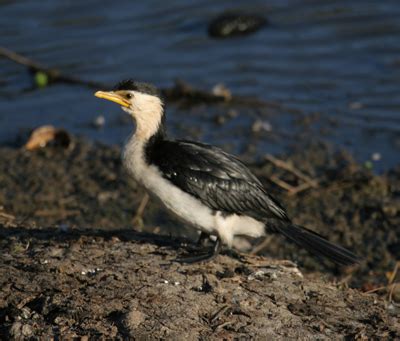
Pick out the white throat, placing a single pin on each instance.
(147, 111)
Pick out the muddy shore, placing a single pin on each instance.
(72, 264)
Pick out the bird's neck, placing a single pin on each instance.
(153, 141)
(141, 145)
(149, 115)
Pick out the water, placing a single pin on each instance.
(337, 58)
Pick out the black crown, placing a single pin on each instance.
(145, 88)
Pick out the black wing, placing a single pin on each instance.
(218, 179)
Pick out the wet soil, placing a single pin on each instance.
(71, 263)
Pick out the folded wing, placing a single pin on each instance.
(218, 179)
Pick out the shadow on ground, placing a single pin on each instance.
(122, 284)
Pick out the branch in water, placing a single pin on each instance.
(180, 91)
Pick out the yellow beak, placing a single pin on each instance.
(113, 97)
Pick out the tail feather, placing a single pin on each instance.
(317, 244)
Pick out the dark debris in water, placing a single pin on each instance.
(235, 23)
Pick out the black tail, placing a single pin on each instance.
(316, 244)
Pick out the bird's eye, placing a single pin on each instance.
(128, 96)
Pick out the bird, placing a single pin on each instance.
(204, 186)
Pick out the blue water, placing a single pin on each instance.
(340, 59)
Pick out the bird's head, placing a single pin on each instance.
(140, 100)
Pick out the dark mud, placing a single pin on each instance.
(71, 265)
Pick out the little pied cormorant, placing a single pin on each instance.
(201, 184)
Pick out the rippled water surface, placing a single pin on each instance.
(337, 62)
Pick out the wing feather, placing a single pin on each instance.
(219, 180)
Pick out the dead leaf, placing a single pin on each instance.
(44, 135)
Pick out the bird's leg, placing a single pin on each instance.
(202, 243)
(202, 238)
(204, 257)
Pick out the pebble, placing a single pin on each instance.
(99, 122)
(222, 91)
(260, 125)
(355, 105)
(376, 156)
(27, 330)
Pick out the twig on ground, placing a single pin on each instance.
(292, 190)
(138, 218)
(394, 273)
(64, 213)
(290, 168)
(7, 216)
(258, 248)
(289, 188)
(376, 289)
(392, 279)
(391, 291)
(391, 284)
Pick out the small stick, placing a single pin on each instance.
(54, 212)
(24, 301)
(391, 280)
(286, 166)
(218, 312)
(142, 206)
(20, 59)
(391, 291)
(300, 188)
(7, 216)
(55, 75)
(291, 189)
(394, 272)
(281, 183)
(375, 290)
(258, 248)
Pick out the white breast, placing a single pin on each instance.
(182, 204)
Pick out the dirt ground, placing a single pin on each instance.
(72, 265)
